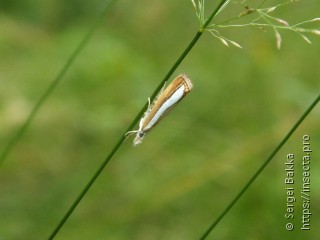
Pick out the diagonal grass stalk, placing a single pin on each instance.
(262, 167)
(203, 26)
(134, 122)
(17, 136)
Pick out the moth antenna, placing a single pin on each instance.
(128, 134)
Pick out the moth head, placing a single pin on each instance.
(138, 139)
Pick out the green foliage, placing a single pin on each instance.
(191, 166)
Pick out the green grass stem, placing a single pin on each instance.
(262, 167)
(134, 122)
(17, 136)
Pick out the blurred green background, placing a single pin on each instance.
(193, 163)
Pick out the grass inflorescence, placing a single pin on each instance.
(264, 20)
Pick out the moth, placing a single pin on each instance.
(166, 100)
